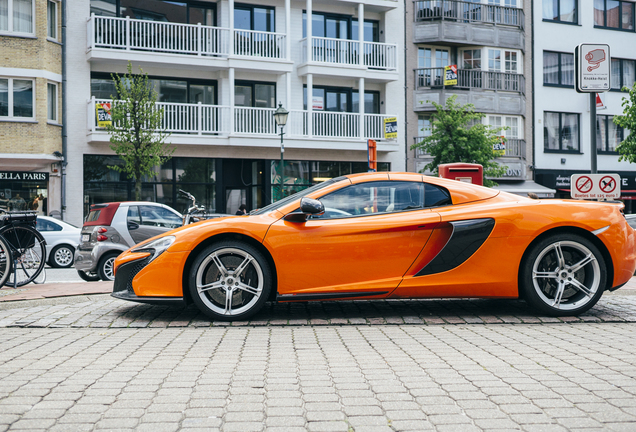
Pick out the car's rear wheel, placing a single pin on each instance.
(564, 274)
(62, 256)
(230, 281)
(106, 266)
(88, 277)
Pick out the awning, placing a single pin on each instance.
(524, 187)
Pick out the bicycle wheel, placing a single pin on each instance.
(29, 254)
(5, 261)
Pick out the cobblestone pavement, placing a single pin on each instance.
(349, 378)
(104, 311)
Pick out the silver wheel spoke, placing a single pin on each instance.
(559, 253)
(241, 268)
(248, 289)
(550, 275)
(210, 286)
(228, 302)
(219, 264)
(585, 261)
(578, 285)
(559, 294)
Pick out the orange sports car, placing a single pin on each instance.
(388, 236)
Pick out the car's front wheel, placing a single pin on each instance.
(230, 281)
(62, 256)
(106, 266)
(564, 274)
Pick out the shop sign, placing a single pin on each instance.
(390, 127)
(19, 175)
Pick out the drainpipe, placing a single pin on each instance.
(64, 116)
(406, 112)
(534, 135)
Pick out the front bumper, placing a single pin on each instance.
(123, 288)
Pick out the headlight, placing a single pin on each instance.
(155, 247)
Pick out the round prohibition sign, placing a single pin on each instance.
(584, 184)
(607, 184)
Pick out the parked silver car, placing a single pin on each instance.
(111, 228)
(61, 238)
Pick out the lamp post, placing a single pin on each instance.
(280, 116)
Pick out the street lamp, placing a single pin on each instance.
(280, 116)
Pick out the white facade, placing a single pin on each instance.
(100, 44)
(562, 37)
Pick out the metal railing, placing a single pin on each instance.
(471, 79)
(185, 39)
(200, 119)
(419, 152)
(468, 12)
(515, 147)
(376, 55)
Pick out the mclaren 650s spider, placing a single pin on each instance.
(388, 236)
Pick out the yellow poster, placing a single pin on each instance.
(390, 127)
(500, 148)
(104, 118)
(450, 75)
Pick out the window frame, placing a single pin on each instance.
(250, 8)
(560, 149)
(620, 17)
(560, 73)
(502, 60)
(621, 74)
(560, 21)
(253, 84)
(605, 140)
(349, 94)
(10, 101)
(57, 99)
(48, 20)
(350, 20)
(9, 31)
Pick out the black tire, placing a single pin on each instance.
(565, 286)
(88, 277)
(216, 265)
(105, 266)
(28, 250)
(6, 261)
(62, 256)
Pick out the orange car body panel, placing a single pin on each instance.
(384, 252)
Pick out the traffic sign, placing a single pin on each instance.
(592, 64)
(595, 186)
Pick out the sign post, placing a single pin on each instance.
(595, 186)
(372, 155)
(592, 75)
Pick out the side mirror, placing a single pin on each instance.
(308, 207)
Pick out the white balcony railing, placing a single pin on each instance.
(346, 52)
(184, 39)
(200, 119)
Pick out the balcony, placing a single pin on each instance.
(490, 92)
(515, 148)
(118, 38)
(199, 120)
(468, 23)
(330, 56)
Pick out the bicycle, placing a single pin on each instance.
(194, 213)
(22, 249)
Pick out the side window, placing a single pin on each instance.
(44, 225)
(374, 197)
(159, 216)
(133, 215)
(436, 196)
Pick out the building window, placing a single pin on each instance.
(51, 93)
(51, 15)
(254, 94)
(430, 62)
(509, 63)
(471, 59)
(608, 134)
(342, 99)
(16, 98)
(614, 14)
(16, 16)
(623, 73)
(561, 132)
(558, 69)
(564, 11)
(513, 125)
(340, 27)
(257, 18)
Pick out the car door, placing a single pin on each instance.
(145, 221)
(368, 237)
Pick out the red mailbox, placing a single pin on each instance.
(466, 172)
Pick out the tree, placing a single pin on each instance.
(136, 128)
(454, 138)
(627, 148)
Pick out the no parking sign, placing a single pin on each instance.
(595, 186)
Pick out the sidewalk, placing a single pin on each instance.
(64, 289)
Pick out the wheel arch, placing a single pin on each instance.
(609, 265)
(224, 237)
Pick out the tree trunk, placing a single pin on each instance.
(138, 189)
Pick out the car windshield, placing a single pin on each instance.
(280, 203)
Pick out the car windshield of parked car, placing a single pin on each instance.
(280, 203)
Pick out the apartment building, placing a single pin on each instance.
(220, 69)
(490, 43)
(563, 114)
(30, 105)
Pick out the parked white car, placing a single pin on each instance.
(61, 240)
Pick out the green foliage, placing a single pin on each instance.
(136, 130)
(627, 148)
(454, 139)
